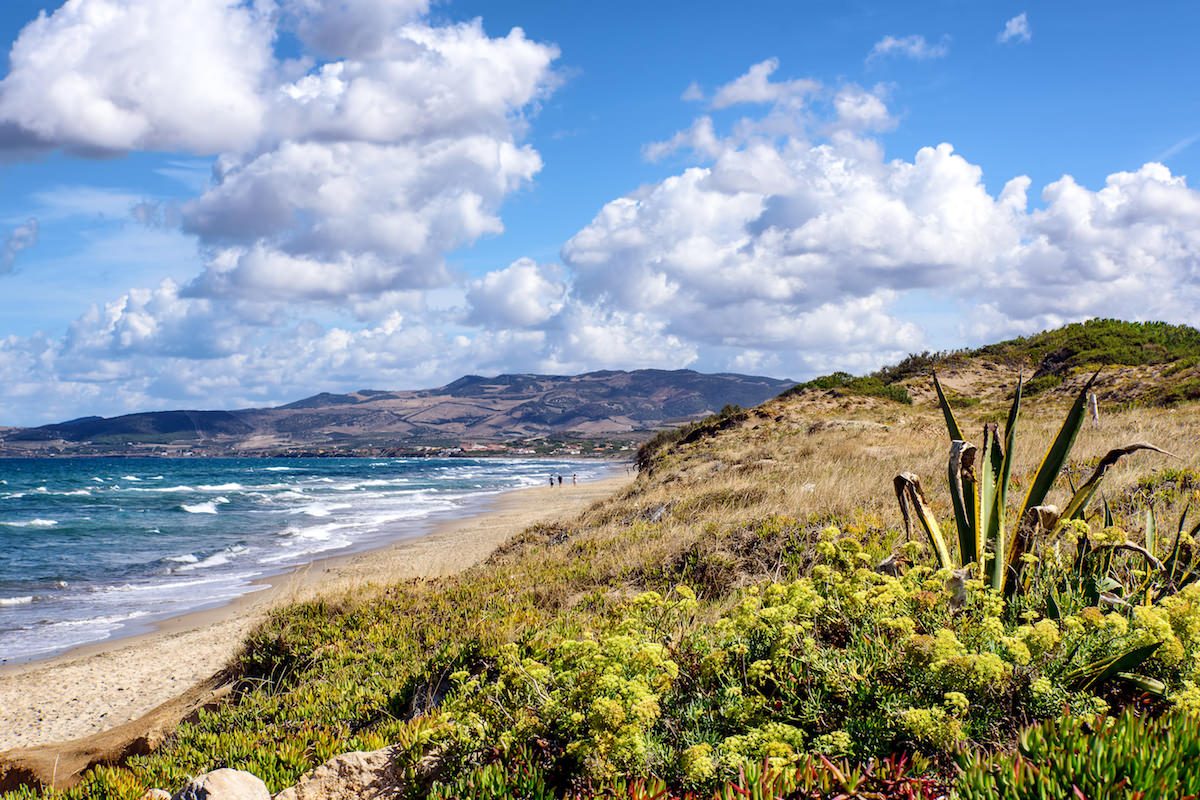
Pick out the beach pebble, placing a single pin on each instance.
(224, 784)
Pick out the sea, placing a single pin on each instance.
(97, 548)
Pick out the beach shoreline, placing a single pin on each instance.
(99, 686)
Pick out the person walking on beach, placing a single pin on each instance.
(574, 479)
(551, 481)
(560, 480)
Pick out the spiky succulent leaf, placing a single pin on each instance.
(1083, 495)
(959, 467)
(1087, 676)
(1056, 456)
(912, 502)
(947, 412)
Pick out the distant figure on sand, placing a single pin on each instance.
(574, 479)
(560, 480)
(551, 480)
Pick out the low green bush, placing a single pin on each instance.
(844, 383)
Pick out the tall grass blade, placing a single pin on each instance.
(912, 501)
(1056, 455)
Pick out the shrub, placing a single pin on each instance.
(843, 383)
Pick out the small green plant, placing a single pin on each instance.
(866, 385)
(1122, 758)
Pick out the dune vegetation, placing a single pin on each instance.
(752, 617)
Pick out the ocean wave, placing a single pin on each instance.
(200, 508)
(186, 558)
(131, 478)
(31, 523)
(16, 601)
(159, 489)
(278, 469)
(75, 493)
(215, 560)
(222, 487)
(111, 619)
(320, 509)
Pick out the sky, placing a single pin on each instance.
(235, 203)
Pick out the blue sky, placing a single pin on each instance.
(498, 201)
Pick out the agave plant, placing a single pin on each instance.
(980, 480)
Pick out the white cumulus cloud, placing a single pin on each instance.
(105, 76)
(22, 237)
(1016, 30)
(914, 47)
(521, 295)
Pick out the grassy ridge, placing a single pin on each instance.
(1050, 358)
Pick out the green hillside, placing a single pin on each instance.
(1050, 358)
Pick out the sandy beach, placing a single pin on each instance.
(102, 686)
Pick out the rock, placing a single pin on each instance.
(369, 776)
(156, 794)
(224, 784)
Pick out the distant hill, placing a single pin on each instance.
(1141, 363)
(473, 409)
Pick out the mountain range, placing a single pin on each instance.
(473, 412)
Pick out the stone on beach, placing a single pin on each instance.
(351, 776)
(224, 784)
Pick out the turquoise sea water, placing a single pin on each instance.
(96, 548)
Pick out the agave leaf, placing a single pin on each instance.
(1053, 609)
(1151, 531)
(959, 471)
(1133, 548)
(1056, 455)
(991, 516)
(912, 501)
(1079, 501)
(1010, 447)
(1095, 673)
(1172, 561)
(1148, 685)
(1108, 515)
(1038, 520)
(947, 412)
